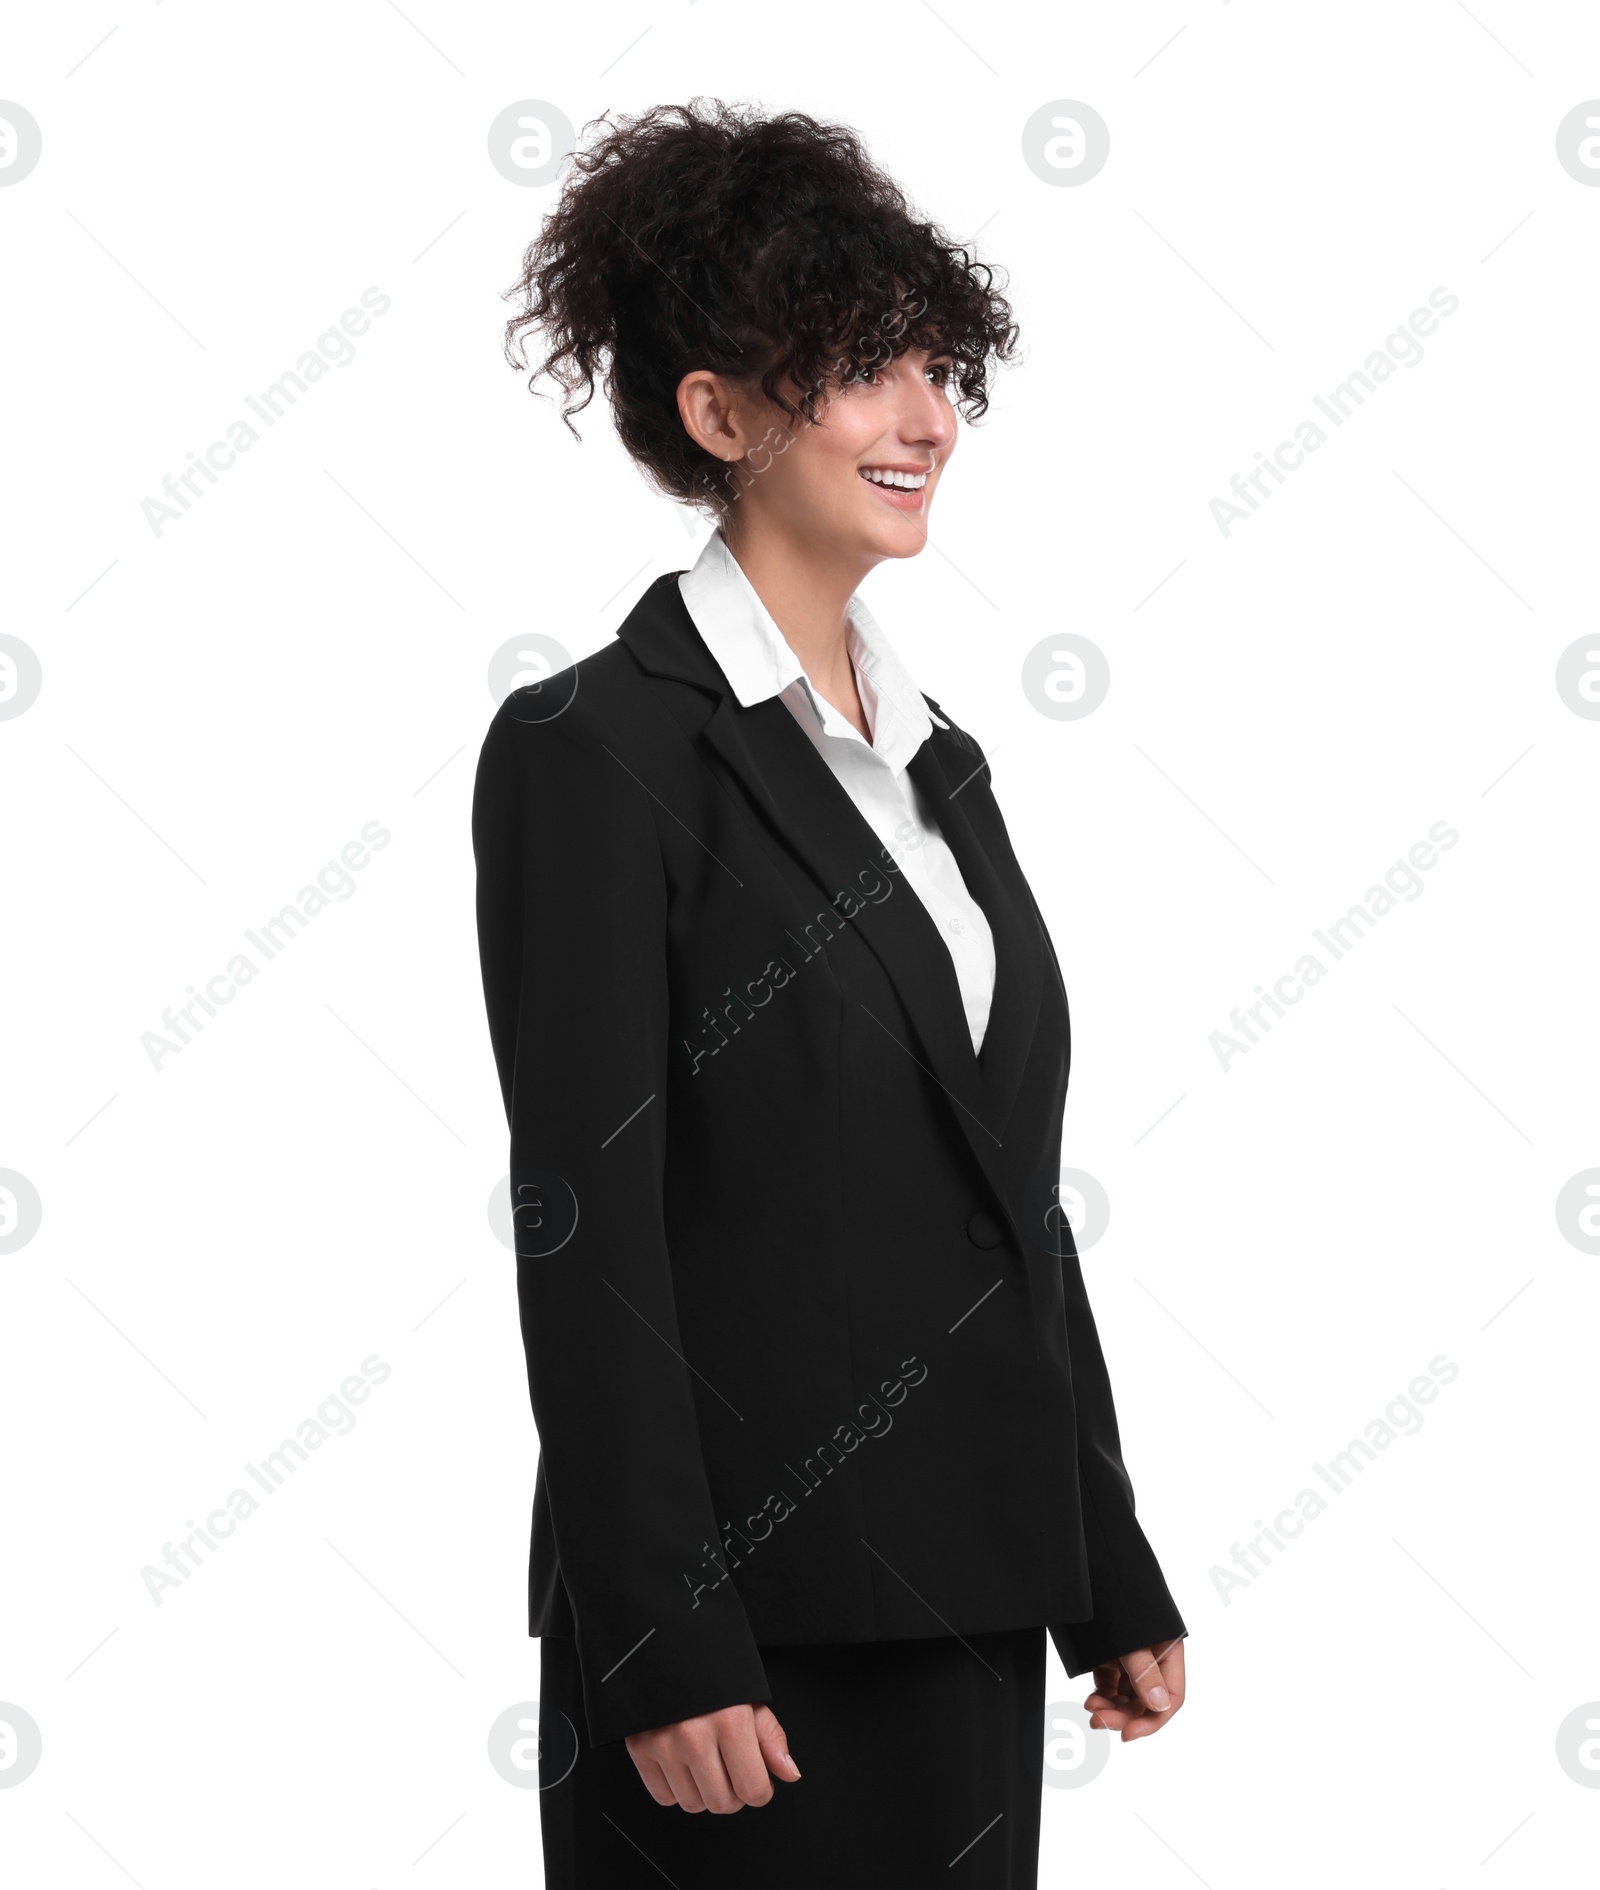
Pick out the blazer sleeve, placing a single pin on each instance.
(572, 929)
(1132, 1606)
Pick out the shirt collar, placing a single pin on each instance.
(747, 644)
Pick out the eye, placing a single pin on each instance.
(940, 374)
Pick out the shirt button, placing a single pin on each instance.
(956, 925)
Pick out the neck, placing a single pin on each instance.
(806, 589)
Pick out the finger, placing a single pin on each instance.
(1172, 1670)
(1108, 1702)
(1124, 1698)
(711, 1776)
(680, 1777)
(774, 1744)
(1114, 1677)
(671, 1754)
(1112, 1718)
(1107, 1697)
(655, 1781)
(742, 1761)
(1141, 1724)
(1144, 1675)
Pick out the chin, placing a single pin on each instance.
(897, 537)
(906, 538)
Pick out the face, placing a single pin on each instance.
(861, 480)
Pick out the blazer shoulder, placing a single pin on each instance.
(571, 754)
(596, 703)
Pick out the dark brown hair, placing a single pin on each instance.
(709, 236)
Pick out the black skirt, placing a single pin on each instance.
(921, 1762)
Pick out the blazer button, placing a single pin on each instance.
(983, 1230)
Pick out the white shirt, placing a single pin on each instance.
(740, 633)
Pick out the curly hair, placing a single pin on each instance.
(709, 236)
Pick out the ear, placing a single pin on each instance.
(712, 414)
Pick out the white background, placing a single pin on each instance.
(1291, 707)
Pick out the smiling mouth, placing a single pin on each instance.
(902, 490)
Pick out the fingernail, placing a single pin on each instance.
(1160, 1698)
(788, 1761)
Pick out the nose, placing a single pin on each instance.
(926, 417)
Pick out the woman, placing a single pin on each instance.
(827, 1442)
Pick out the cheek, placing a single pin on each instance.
(854, 425)
(816, 471)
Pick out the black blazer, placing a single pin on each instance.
(808, 1345)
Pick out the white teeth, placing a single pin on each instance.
(906, 482)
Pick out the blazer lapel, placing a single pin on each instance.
(811, 815)
(946, 772)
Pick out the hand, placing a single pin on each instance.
(716, 1762)
(1139, 1693)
